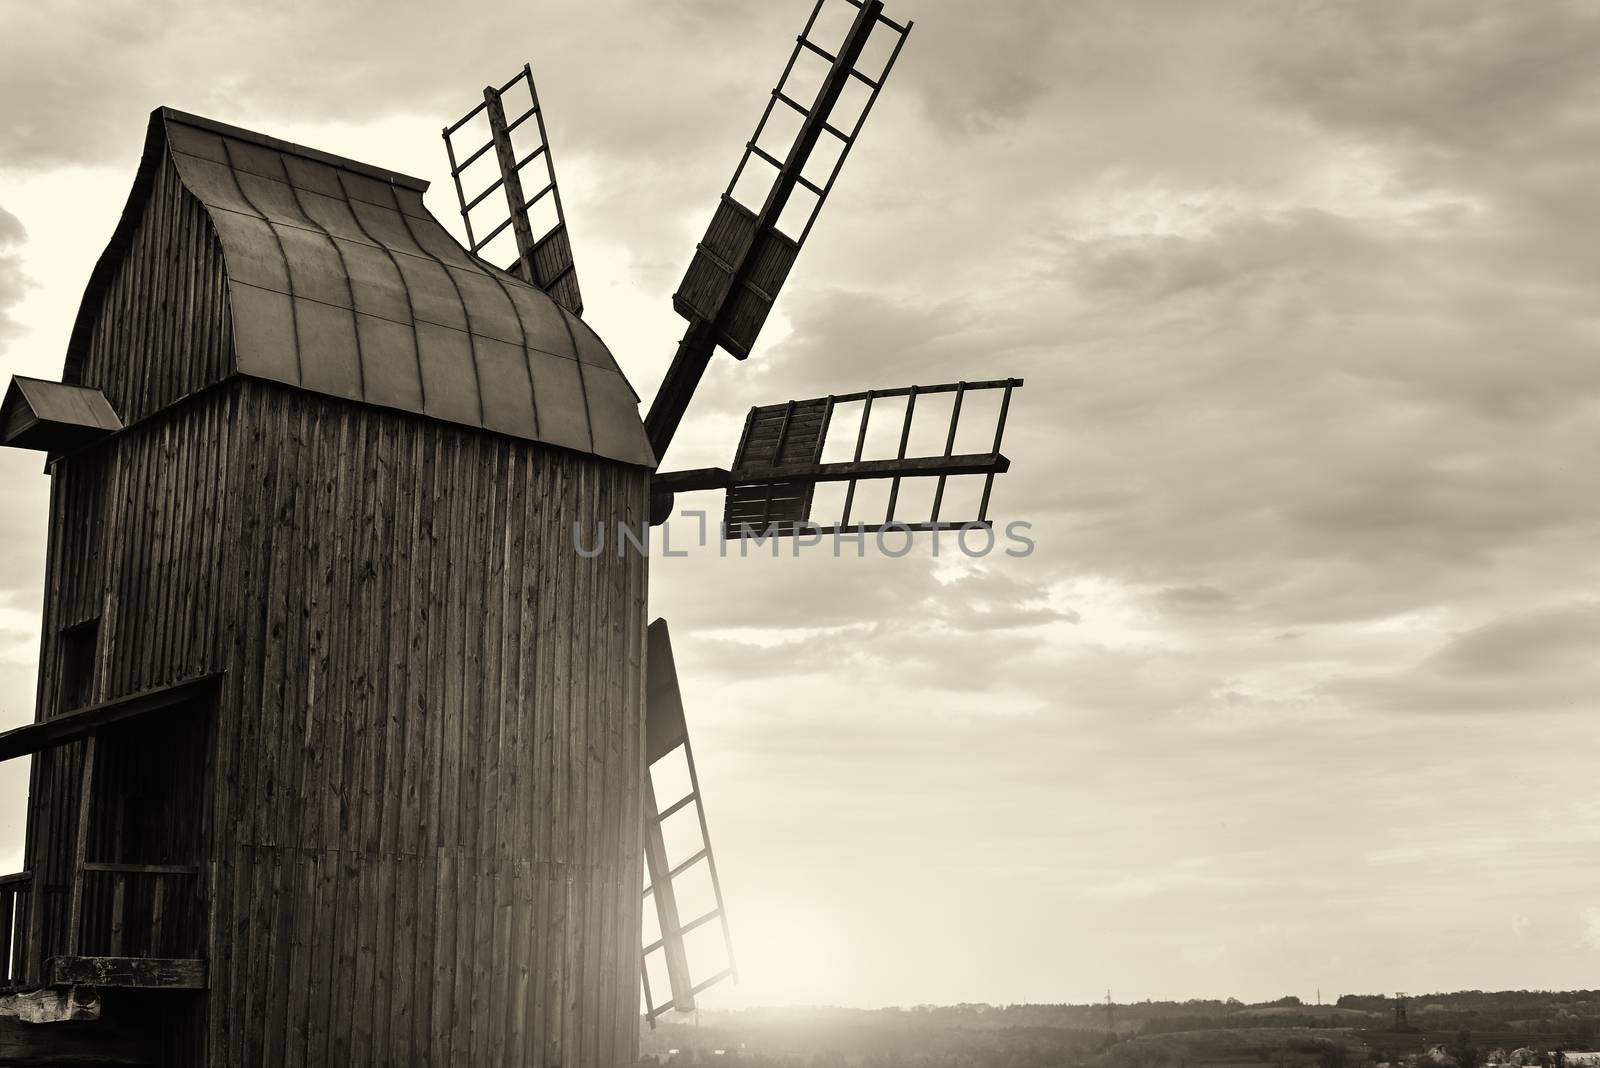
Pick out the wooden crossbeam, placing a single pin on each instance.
(60, 730)
(161, 973)
(511, 181)
(699, 478)
(907, 467)
(709, 478)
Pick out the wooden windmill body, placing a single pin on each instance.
(335, 727)
(342, 747)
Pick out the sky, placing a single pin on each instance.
(1297, 689)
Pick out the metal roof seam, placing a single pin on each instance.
(583, 385)
(531, 346)
(294, 316)
(337, 280)
(466, 314)
(527, 366)
(487, 268)
(344, 267)
(411, 307)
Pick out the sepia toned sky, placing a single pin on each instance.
(1299, 687)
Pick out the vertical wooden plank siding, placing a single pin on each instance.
(420, 793)
(163, 332)
(104, 563)
(520, 667)
(421, 840)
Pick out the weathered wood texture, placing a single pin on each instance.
(147, 973)
(27, 1045)
(135, 1027)
(135, 543)
(242, 254)
(422, 843)
(54, 1005)
(163, 330)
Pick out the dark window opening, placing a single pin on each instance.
(79, 644)
(141, 889)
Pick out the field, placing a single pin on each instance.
(1357, 1032)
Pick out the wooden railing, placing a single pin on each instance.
(15, 895)
(137, 910)
(80, 912)
(115, 910)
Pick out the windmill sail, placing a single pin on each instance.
(751, 244)
(544, 260)
(667, 740)
(782, 459)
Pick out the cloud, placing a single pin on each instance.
(89, 72)
(1590, 933)
(1473, 78)
(1557, 640)
(1194, 598)
(13, 280)
(1546, 660)
(1192, 876)
(991, 73)
(1306, 319)
(925, 635)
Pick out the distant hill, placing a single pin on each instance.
(1355, 1032)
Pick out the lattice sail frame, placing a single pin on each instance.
(743, 260)
(771, 486)
(665, 732)
(544, 261)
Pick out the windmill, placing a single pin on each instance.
(499, 151)
(339, 748)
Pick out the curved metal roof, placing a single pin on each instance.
(341, 282)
